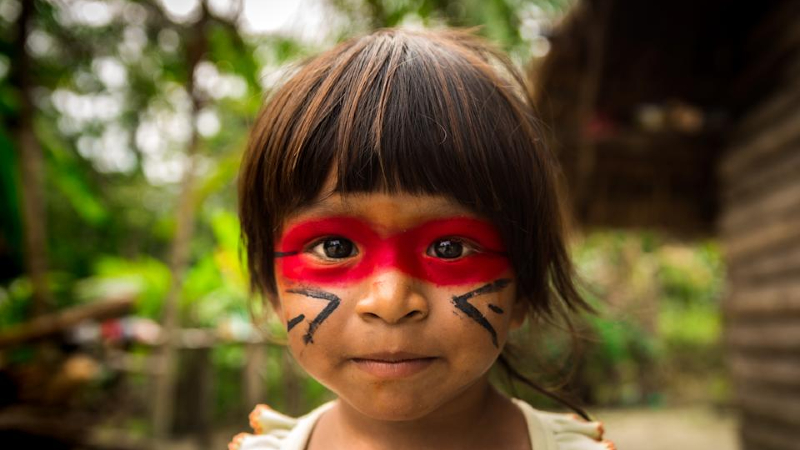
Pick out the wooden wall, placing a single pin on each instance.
(759, 223)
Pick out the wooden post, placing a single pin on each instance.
(253, 379)
(194, 413)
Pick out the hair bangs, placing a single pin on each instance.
(401, 115)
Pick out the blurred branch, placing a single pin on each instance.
(49, 324)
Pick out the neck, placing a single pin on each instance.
(460, 423)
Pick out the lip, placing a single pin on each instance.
(393, 365)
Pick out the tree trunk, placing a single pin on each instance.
(31, 167)
(164, 399)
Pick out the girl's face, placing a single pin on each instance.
(397, 303)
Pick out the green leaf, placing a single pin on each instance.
(68, 176)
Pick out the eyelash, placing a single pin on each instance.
(319, 252)
(468, 248)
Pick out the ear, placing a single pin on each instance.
(519, 311)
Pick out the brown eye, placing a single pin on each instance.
(334, 248)
(446, 249)
(338, 248)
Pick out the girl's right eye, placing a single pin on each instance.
(334, 248)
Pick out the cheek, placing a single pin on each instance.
(317, 356)
(469, 348)
(311, 312)
(479, 268)
(300, 268)
(481, 320)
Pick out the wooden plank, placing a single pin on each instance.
(781, 336)
(769, 55)
(733, 190)
(780, 298)
(778, 371)
(781, 263)
(777, 105)
(769, 236)
(756, 436)
(779, 17)
(742, 158)
(779, 201)
(781, 405)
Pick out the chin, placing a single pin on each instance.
(392, 408)
(395, 412)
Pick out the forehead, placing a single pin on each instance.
(382, 211)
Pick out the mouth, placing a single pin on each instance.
(393, 365)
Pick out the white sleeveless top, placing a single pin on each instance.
(547, 431)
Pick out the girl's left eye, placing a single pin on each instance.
(449, 248)
(334, 248)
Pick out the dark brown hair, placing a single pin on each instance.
(436, 112)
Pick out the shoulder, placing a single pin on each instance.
(557, 431)
(275, 431)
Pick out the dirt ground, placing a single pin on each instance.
(687, 428)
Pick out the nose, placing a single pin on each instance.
(393, 298)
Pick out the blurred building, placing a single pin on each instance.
(685, 116)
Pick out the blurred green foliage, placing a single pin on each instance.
(659, 321)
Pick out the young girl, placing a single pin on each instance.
(401, 217)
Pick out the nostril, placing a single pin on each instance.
(413, 314)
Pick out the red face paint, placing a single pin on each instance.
(406, 251)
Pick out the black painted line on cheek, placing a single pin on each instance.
(462, 303)
(284, 254)
(333, 303)
(292, 323)
(496, 309)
